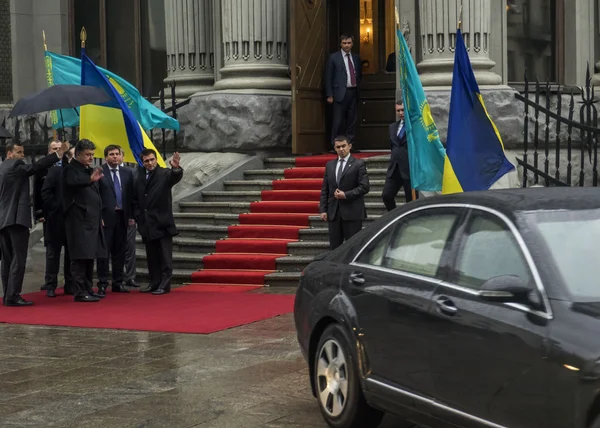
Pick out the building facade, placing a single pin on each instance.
(253, 68)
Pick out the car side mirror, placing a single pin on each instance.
(507, 289)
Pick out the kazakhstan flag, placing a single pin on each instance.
(66, 70)
(475, 157)
(425, 151)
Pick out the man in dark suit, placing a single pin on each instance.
(38, 183)
(154, 214)
(15, 217)
(398, 173)
(82, 206)
(343, 73)
(116, 191)
(55, 237)
(342, 195)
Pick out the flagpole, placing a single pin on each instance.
(54, 132)
(460, 16)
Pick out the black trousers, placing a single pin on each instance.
(83, 276)
(53, 267)
(345, 112)
(116, 245)
(341, 230)
(392, 186)
(159, 254)
(14, 242)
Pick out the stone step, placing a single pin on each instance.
(253, 196)
(258, 185)
(193, 261)
(283, 279)
(192, 218)
(278, 174)
(208, 246)
(212, 232)
(373, 208)
(290, 162)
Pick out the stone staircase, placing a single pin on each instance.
(202, 224)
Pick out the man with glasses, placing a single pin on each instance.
(398, 173)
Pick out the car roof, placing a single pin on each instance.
(512, 201)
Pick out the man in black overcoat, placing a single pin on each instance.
(38, 183)
(15, 217)
(116, 191)
(342, 195)
(55, 237)
(154, 214)
(398, 173)
(83, 219)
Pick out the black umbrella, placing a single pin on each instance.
(4, 133)
(59, 97)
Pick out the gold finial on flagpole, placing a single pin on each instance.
(44, 37)
(460, 16)
(397, 17)
(83, 36)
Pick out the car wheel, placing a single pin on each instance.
(338, 385)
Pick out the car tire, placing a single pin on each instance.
(337, 383)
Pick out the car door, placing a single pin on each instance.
(488, 358)
(390, 284)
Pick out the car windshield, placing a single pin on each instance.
(571, 236)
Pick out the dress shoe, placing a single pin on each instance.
(132, 283)
(119, 289)
(101, 291)
(148, 289)
(161, 291)
(18, 302)
(51, 293)
(87, 298)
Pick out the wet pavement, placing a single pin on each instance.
(250, 376)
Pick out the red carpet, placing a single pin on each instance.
(252, 248)
(261, 246)
(298, 184)
(189, 311)
(221, 288)
(291, 219)
(264, 232)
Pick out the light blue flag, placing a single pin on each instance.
(66, 70)
(426, 153)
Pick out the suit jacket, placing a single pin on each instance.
(336, 77)
(52, 206)
(15, 205)
(153, 202)
(354, 182)
(399, 155)
(82, 207)
(109, 197)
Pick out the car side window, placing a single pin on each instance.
(489, 250)
(414, 245)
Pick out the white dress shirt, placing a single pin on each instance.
(348, 81)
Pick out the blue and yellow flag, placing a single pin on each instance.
(475, 157)
(66, 70)
(112, 122)
(425, 150)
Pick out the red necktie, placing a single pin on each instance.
(352, 73)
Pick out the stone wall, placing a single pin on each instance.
(6, 83)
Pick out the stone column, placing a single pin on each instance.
(439, 19)
(190, 47)
(596, 77)
(255, 45)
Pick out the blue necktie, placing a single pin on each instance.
(117, 186)
(401, 131)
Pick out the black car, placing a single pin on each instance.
(472, 310)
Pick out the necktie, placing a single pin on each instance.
(117, 186)
(352, 72)
(401, 131)
(147, 175)
(339, 173)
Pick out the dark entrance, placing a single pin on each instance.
(372, 23)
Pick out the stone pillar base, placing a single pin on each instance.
(439, 72)
(237, 122)
(189, 84)
(255, 76)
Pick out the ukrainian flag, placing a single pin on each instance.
(112, 122)
(475, 157)
(425, 150)
(66, 70)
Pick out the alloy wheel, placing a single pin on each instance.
(332, 378)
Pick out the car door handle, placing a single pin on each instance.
(357, 278)
(446, 306)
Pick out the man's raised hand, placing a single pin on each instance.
(96, 175)
(175, 161)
